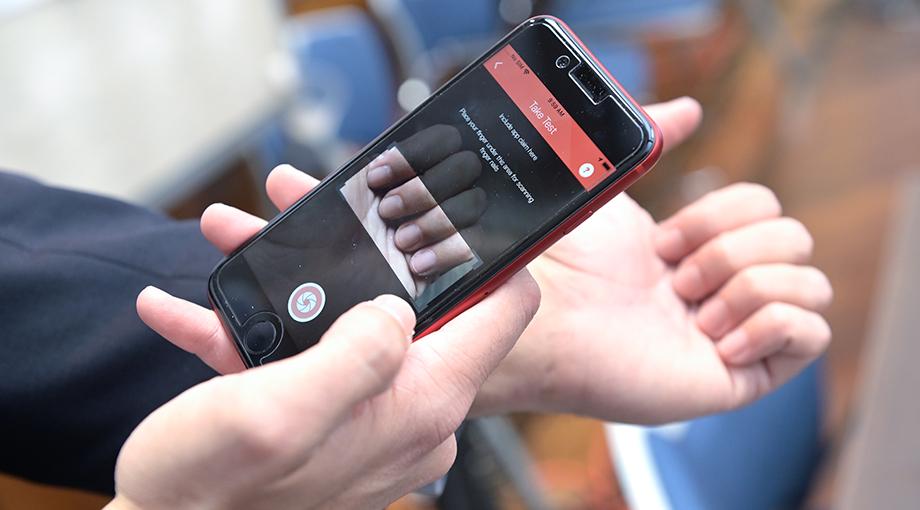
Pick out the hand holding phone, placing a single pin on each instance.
(355, 422)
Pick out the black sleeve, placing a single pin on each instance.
(79, 370)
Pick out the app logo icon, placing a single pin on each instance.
(586, 170)
(306, 302)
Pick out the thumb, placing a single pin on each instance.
(356, 359)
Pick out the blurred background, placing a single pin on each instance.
(174, 104)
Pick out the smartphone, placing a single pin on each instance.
(499, 163)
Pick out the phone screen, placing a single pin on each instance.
(446, 198)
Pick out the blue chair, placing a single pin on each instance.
(762, 456)
(343, 63)
(611, 28)
(622, 18)
(628, 62)
(432, 37)
(345, 95)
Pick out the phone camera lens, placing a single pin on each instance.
(563, 61)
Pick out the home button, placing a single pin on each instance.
(262, 334)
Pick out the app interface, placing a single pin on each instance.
(460, 185)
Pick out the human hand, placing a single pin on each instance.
(413, 200)
(639, 322)
(354, 422)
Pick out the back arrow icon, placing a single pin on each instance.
(496, 64)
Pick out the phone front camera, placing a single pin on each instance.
(563, 61)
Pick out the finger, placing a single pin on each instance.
(776, 328)
(469, 348)
(357, 358)
(408, 199)
(286, 185)
(389, 170)
(227, 227)
(442, 222)
(677, 119)
(782, 240)
(717, 212)
(456, 173)
(754, 287)
(441, 256)
(413, 156)
(446, 179)
(430, 146)
(189, 327)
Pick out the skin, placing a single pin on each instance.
(641, 321)
(354, 422)
(406, 222)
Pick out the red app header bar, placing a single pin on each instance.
(579, 153)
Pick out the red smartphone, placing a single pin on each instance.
(499, 163)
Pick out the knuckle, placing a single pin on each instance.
(778, 318)
(752, 281)
(720, 253)
(382, 344)
(818, 339)
(761, 196)
(800, 238)
(821, 286)
(824, 335)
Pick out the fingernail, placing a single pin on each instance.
(423, 261)
(669, 243)
(407, 236)
(688, 281)
(733, 346)
(713, 317)
(378, 176)
(391, 207)
(398, 309)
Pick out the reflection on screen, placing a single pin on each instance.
(415, 213)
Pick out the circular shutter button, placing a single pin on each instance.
(260, 338)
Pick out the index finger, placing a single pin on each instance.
(413, 156)
(722, 210)
(677, 119)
